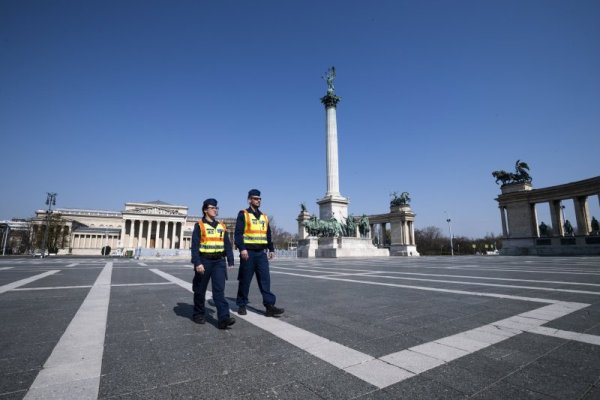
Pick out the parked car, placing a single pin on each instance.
(39, 253)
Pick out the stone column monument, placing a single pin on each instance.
(402, 227)
(333, 203)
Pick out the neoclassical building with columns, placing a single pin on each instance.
(157, 227)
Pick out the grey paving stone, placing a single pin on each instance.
(67, 277)
(571, 369)
(537, 378)
(579, 321)
(488, 366)
(421, 388)
(17, 381)
(460, 379)
(338, 385)
(515, 357)
(218, 387)
(585, 355)
(18, 395)
(504, 390)
(386, 345)
(130, 275)
(134, 378)
(593, 393)
(288, 391)
(531, 343)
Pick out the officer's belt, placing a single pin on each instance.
(212, 256)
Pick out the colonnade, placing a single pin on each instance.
(582, 219)
(157, 234)
(405, 232)
(94, 241)
(518, 211)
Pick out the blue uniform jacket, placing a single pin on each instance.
(196, 257)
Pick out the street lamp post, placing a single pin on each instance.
(450, 231)
(50, 201)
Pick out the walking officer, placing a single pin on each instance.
(210, 247)
(253, 238)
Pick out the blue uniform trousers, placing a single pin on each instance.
(215, 271)
(259, 263)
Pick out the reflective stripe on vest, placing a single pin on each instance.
(212, 240)
(255, 230)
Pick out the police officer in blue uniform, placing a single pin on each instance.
(253, 238)
(210, 247)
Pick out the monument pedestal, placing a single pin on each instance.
(307, 247)
(338, 247)
(403, 250)
(333, 206)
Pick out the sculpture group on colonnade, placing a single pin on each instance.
(521, 174)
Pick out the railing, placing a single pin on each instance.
(282, 253)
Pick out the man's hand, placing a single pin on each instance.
(200, 269)
(244, 255)
(271, 255)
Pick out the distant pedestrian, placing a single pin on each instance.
(210, 247)
(253, 239)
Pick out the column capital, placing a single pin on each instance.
(330, 100)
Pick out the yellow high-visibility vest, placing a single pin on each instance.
(212, 240)
(255, 230)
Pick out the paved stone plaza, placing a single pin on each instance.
(426, 328)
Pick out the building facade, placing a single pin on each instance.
(155, 226)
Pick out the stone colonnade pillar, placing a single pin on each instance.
(166, 233)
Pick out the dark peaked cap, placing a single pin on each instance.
(253, 192)
(209, 202)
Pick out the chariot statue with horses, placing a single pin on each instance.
(521, 174)
(400, 200)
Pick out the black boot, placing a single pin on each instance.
(226, 323)
(273, 311)
(242, 310)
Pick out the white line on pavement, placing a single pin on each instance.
(368, 272)
(51, 288)
(142, 264)
(141, 284)
(71, 265)
(432, 289)
(25, 281)
(387, 370)
(484, 284)
(73, 369)
(579, 337)
(5, 268)
(89, 286)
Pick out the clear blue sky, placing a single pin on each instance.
(105, 102)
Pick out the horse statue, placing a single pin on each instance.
(349, 228)
(502, 176)
(335, 228)
(402, 200)
(312, 226)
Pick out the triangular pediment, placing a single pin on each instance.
(153, 211)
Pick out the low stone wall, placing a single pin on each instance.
(552, 246)
(340, 247)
